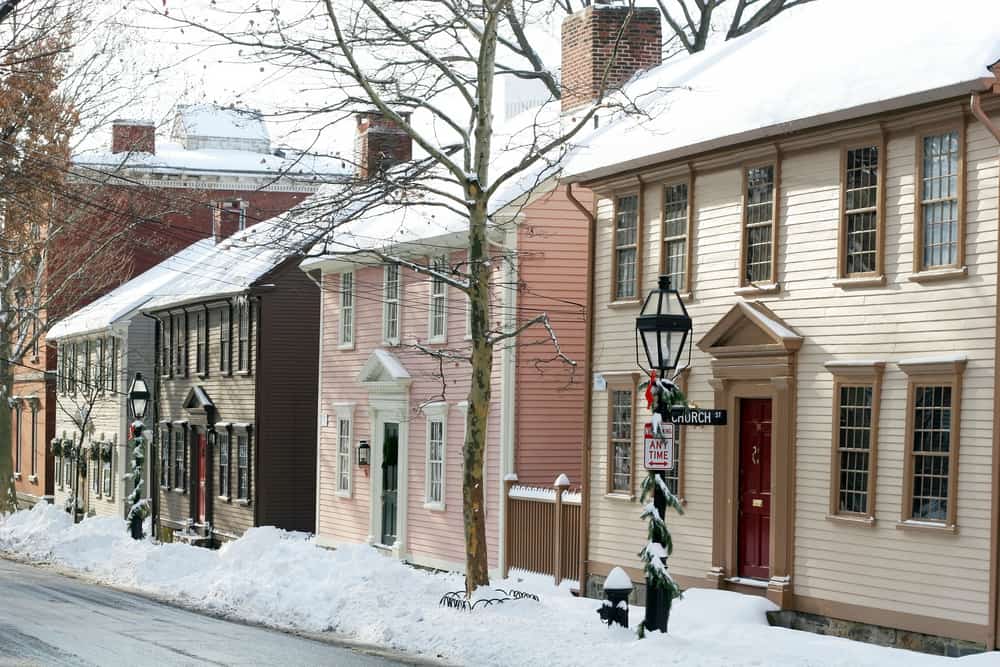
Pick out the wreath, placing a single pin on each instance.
(57, 447)
(106, 450)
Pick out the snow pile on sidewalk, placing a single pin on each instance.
(282, 579)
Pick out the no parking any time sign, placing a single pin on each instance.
(658, 451)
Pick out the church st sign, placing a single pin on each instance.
(698, 416)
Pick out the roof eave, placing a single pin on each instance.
(811, 122)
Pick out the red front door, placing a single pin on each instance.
(753, 540)
(202, 474)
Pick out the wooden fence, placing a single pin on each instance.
(543, 529)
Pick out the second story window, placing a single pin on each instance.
(112, 374)
(938, 226)
(201, 344)
(390, 300)
(180, 345)
(225, 341)
(675, 233)
(861, 211)
(758, 226)
(626, 247)
(347, 309)
(439, 294)
(85, 366)
(166, 355)
(243, 333)
(100, 378)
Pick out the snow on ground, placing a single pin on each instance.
(282, 579)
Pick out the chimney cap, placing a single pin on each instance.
(133, 122)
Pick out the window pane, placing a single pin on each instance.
(939, 199)
(625, 238)
(621, 439)
(854, 445)
(931, 447)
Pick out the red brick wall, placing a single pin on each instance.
(381, 144)
(588, 49)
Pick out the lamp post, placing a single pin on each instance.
(664, 329)
(138, 401)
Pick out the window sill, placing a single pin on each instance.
(758, 290)
(686, 297)
(437, 341)
(857, 520)
(202, 375)
(181, 491)
(225, 499)
(434, 507)
(935, 275)
(344, 494)
(243, 502)
(390, 343)
(17, 475)
(927, 526)
(33, 479)
(624, 497)
(860, 281)
(631, 303)
(344, 347)
(242, 373)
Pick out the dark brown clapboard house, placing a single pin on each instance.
(237, 388)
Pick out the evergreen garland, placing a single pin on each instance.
(138, 506)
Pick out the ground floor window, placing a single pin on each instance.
(106, 478)
(225, 440)
(180, 459)
(243, 466)
(165, 457)
(621, 427)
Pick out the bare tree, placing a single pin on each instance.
(430, 68)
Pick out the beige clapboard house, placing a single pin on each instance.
(833, 228)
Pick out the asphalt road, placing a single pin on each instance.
(50, 619)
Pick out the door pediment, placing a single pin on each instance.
(750, 329)
(384, 372)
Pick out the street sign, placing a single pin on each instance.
(698, 416)
(658, 450)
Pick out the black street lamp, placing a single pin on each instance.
(138, 397)
(664, 328)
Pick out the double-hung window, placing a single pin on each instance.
(391, 302)
(347, 310)
(343, 455)
(85, 366)
(225, 445)
(759, 209)
(243, 466)
(626, 248)
(225, 340)
(34, 439)
(166, 349)
(930, 478)
(180, 458)
(180, 345)
(940, 224)
(621, 406)
(101, 369)
(439, 299)
(861, 213)
(106, 475)
(201, 344)
(17, 438)
(243, 335)
(165, 457)
(434, 472)
(675, 235)
(112, 374)
(857, 390)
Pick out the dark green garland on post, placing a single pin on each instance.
(138, 506)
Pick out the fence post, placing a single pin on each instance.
(561, 484)
(508, 481)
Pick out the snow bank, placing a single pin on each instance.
(284, 580)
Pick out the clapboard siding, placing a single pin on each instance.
(880, 567)
(552, 260)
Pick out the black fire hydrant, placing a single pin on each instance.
(617, 587)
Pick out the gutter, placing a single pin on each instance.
(588, 394)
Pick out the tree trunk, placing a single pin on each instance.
(8, 494)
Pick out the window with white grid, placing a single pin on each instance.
(758, 222)
(243, 466)
(201, 344)
(106, 478)
(243, 335)
(347, 309)
(861, 209)
(626, 237)
(180, 459)
(225, 440)
(439, 295)
(854, 448)
(939, 173)
(675, 230)
(435, 461)
(931, 452)
(344, 455)
(180, 345)
(621, 440)
(165, 457)
(225, 340)
(390, 304)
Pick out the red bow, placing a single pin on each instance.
(649, 390)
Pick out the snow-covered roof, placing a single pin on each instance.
(124, 301)
(818, 63)
(383, 221)
(204, 125)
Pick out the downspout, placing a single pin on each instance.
(991, 641)
(587, 396)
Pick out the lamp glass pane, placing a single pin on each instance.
(139, 407)
(649, 347)
(665, 349)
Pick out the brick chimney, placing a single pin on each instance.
(135, 136)
(381, 143)
(588, 46)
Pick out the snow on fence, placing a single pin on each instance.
(543, 529)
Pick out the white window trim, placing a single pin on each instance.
(385, 305)
(468, 317)
(435, 412)
(349, 344)
(437, 263)
(344, 412)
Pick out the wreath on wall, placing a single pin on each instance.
(106, 450)
(57, 446)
